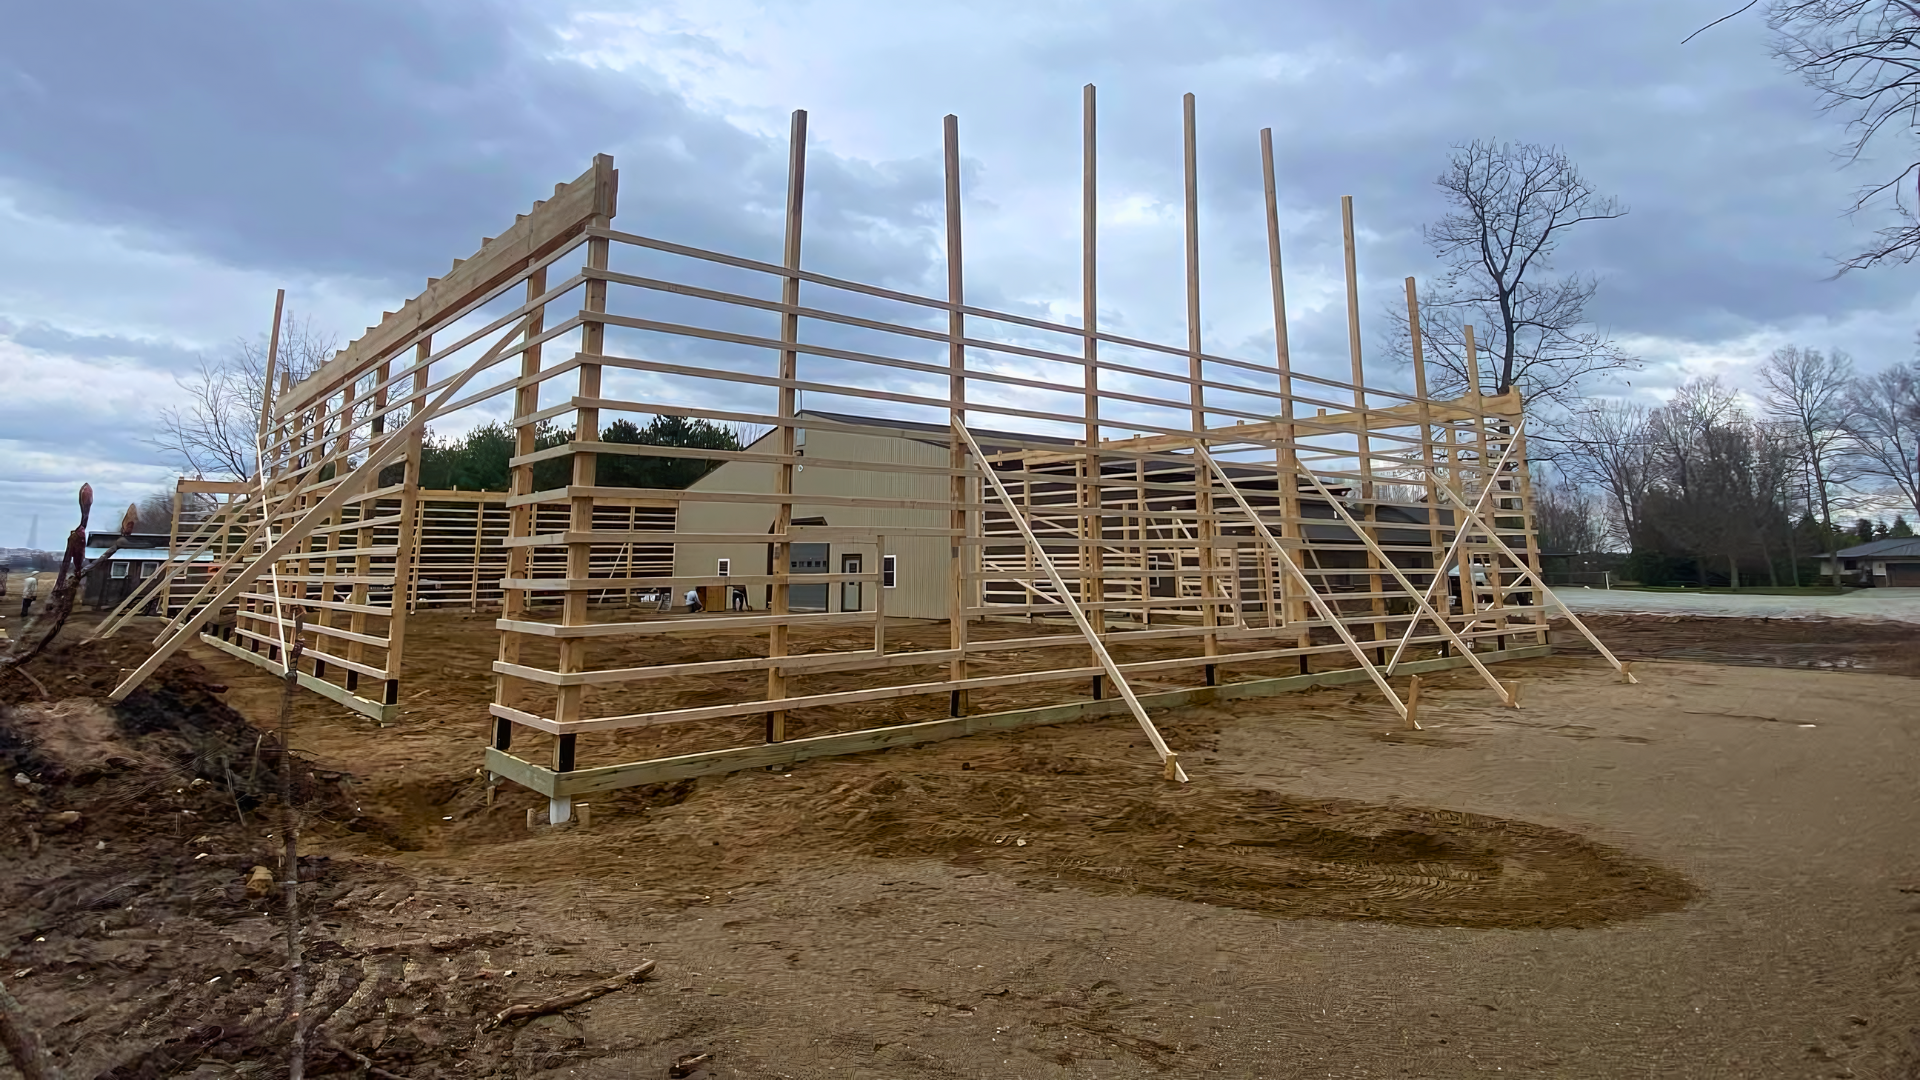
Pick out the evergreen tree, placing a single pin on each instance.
(1863, 530)
(1900, 530)
(629, 470)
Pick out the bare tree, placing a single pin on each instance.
(1609, 446)
(214, 433)
(1810, 393)
(1863, 56)
(1511, 205)
(1564, 515)
(1884, 431)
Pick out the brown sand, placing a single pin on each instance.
(1680, 878)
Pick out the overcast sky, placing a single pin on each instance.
(165, 167)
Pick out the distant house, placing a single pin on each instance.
(141, 556)
(1883, 563)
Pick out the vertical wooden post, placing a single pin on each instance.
(511, 690)
(1206, 528)
(586, 428)
(963, 553)
(363, 564)
(786, 437)
(173, 547)
(1294, 607)
(1523, 477)
(880, 595)
(1362, 442)
(266, 383)
(1139, 542)
(1093, 527)
(1495, 597)
(479, 535)
(1424, 407)
(407, 531)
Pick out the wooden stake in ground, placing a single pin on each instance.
(290, 836)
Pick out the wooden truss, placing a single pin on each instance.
(1137, 510)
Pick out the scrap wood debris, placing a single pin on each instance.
(528, 1010)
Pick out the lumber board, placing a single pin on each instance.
(379, 712)
(793, 751)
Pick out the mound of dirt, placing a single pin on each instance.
(128, 928)
(1260, 850)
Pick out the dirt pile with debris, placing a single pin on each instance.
(143, 925)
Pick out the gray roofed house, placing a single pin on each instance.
(1890, 563)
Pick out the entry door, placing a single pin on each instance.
(808, 559)
(850, 590)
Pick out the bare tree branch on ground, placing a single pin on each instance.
(1512, 204)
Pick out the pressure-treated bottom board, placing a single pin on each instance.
(586, 781)
(379, 713)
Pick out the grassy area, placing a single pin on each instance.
(1754, 590)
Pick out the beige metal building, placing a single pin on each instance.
(912, 570)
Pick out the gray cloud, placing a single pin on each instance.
(354, 148)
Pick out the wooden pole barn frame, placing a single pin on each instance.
(1235, 512)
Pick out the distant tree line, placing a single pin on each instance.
(1704, 490)
(477, 461)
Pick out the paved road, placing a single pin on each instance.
(1900, 605)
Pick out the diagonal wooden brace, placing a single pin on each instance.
(1452, 553)
(1313, 594)
(1527, 572)
(1170, 760)
(1465, 650)
(392, 446)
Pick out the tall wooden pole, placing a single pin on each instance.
(786, 438)
(273, 357)
(1093, 588)
(1425, 408)
(1362, 442)
(1294, 608)
(1206, 528)
(963, 553)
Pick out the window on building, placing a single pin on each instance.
(887, 564)
(724, 567)
(117, 569)
(147, 568)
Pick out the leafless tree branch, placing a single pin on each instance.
(1512, 204)
(213, 434)
(1863, 56)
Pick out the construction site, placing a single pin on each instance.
(1019, 698)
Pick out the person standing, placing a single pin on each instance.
(27, 592)
(739, 597)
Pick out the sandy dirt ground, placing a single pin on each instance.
(1900, 605)
(1708, 874)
